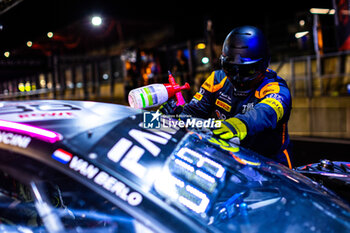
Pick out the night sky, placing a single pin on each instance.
(32, 19)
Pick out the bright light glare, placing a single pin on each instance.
(45, 107)
(322, 11)
(205, 60)
(50, 34)
(301, 34)
(27, 86)
(201, 46)
(331, 12)
(7, 54)
(21, 87)
(96, 20)
(29, 44)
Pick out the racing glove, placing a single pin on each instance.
(170, 108)
(231, 128)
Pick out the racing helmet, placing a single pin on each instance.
(245, 58)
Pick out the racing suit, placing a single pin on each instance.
(265, 111)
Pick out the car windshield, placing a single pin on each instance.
(228, 190)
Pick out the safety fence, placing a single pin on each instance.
(319, 86)
(111, 78)
(311, 76)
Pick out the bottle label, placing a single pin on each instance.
(148, 96)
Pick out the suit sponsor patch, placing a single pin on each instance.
(198, 96)
(276, 105)
(268, 89)
(223, 105)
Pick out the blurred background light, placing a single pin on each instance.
(27, 86)
(29, 44)
(7, 54)
(50, 34)
(21, 87)
(96, 20)
(322, 11)
(301, 34)
(201, 46)
(205, 60)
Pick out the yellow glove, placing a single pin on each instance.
(230, 128)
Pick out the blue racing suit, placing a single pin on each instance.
(265, 111)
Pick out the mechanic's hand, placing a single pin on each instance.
(231, 128)
(170, 108)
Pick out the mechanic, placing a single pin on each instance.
(253, 103)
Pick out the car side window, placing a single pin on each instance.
(17, 210)
(54, 197)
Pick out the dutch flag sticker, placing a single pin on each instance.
(62, 156)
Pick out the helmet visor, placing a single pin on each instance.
(247, 69)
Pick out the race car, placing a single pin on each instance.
(79, 166)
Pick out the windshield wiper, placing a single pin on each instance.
(242, 202)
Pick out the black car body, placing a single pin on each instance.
(75, 166)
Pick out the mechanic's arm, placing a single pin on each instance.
(266, 114)
(202, 103)
(200, 106)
